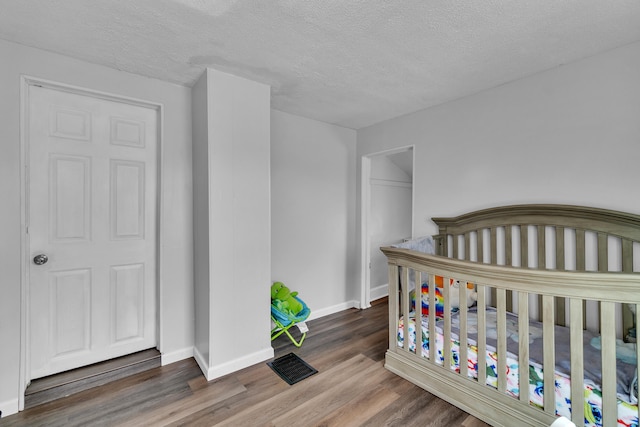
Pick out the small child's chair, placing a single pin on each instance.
(284, 321)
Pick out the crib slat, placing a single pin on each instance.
(418, 311)
(405, 308)
(542, 257)
(627, 267)
(577, 361)
(523, 345)
(603, 252)
(627, 255)
(394, 315)
(549, 362)
(494, 245)
(508, 245)
(580, 250)
(446, 295)
(502, 339)
(608, 344)
(493, 254)
(581, 266)
(456, 238)
(463, 330)
(560, 248)
(467, 246)
(482, 334)
(603, 260)
(445, 245)
(480, 245)
(508, 260)
(433, 352)
(524, 246)
(560, 302)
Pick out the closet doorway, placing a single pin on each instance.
(387, 215)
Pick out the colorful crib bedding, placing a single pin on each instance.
(627, 411)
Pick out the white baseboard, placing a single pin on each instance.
(213, 372)
(379, 292)
(9, 407)
(203, 364)
(175, 356)
(315, 314)
(222, 369)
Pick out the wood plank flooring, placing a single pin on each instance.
(51, 388)
(352, 388)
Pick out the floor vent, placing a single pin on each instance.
(291, 368)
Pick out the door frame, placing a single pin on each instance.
(25, 83)
(365, 215)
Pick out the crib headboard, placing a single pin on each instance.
(545, 236)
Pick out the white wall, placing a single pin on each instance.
(202, 253)
(233, 222)
(176, 211)
(568, 135)
(382, 168)
(313, 202)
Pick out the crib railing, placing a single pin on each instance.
(559, 237)
(495, 286)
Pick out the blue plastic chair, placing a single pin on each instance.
(285, 321)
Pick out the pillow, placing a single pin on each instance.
(421, 244)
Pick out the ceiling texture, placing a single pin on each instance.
(347, 62)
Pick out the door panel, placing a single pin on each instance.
(70, 312)
(127, 296)
(127, 199)
(92, 211)
(70, 201)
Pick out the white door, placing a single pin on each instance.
(92, 191)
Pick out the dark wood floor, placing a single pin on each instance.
(352, 388)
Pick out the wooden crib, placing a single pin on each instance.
(570, 272)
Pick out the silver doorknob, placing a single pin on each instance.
(40, 259)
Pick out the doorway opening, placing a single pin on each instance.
(386, 215)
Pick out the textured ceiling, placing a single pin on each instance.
(347, 62)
